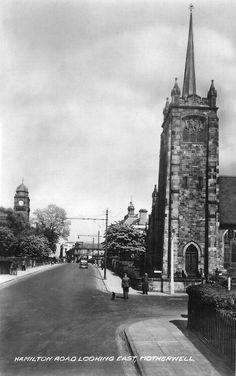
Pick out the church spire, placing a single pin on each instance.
(154, 195)
(189, 86)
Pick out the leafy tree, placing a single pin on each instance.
(8, 242)
(52, 223)
(17, 222)
(3, 216)
(125, 241)
(34, 246)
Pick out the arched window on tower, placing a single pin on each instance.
(192, 135)
(200, 134)
(193, 129)
(233, 252)
(229, 239)
(186, 134)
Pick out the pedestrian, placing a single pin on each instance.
(201, 275)
(23, 265)
(125, 285)
(217, 273)
(145, 284)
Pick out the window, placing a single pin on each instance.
(226, 255)
(230, 234)
(193, 129)
(186, 135)
(233, 254)
(200, 135)
(185, 182)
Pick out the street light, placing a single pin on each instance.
(172, 281)
(105, 255)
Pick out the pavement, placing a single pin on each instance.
(164, 346)
(6, 278)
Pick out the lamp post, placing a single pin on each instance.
(105, 255)
(98, 240)
(172, 281)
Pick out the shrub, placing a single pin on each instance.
(214, 296)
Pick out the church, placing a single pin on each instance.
(192, 225)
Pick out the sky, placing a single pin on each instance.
(82, 90)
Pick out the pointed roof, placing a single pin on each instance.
(154, 193)
(212, 91)
(189, 86)
(176, 89)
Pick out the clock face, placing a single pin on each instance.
(21, 203)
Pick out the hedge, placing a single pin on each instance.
(213, 296)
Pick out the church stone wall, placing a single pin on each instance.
(189, 188)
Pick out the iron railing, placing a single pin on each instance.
(217, 327)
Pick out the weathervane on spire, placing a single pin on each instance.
(191, 7)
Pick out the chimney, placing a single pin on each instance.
(142, 216)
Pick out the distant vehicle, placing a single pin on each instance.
(83, 264)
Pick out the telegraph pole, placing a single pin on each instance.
(172, 280)
(105, 255)
(98, 239)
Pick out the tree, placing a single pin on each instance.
(52, 223)
(125, 241)
(34, 246)
(17, 222)
(8, 242)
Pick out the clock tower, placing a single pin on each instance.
(22, 201)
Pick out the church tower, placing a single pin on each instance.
(22, 201)
(187, 201)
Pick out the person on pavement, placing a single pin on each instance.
(23, 267)
(125, 285)
(145, 284)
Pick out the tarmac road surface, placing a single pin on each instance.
(61, 322)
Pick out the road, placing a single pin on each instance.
(63, 316)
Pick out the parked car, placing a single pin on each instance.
(83, 264)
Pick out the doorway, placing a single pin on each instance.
(191, 261)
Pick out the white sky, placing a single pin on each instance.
(82, 90)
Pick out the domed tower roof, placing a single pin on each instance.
(131, 208)
(22, 188)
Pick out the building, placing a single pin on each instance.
(21, 204)
(76, 251)
(138, 221)
(22, 201)
(191, 225)
(227, 221)
(65, 247)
